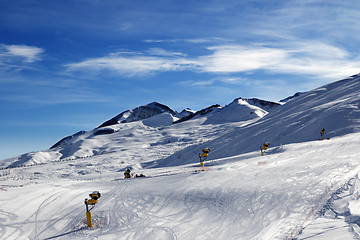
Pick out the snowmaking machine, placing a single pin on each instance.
(202, 157)
(95, 195)
(264, 147)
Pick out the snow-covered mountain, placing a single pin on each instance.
(239, 110)
(146, 113)
(153, 115)
(241, 195)
(298, 120)
(139, 113)
(335, 107)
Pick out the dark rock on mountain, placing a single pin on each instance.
(185, 113)
(139, 113)
(263, 104)
(291, 97)
(202, 112)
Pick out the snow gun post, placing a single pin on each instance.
(202, 157)
(94, 199)
(322, 134)
(264, 147)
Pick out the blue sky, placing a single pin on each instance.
(67, 66)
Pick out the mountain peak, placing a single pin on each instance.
(237, 111)
(139, 113)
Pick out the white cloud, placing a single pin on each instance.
(134, 64)
(198, 83)
(189, 40)
(214, 81)
(233, 80)
(26, 53)
(318, 59)
(303, 58)
(320, 50)
(306, 58)
(237, 58)
(163, 52)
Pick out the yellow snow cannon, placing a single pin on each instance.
(205, 152)
(322, 134)
(264, 147)
(202, 157)
(95, 195)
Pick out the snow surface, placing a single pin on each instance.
(302, 188)
(163, 119)
(242, 197)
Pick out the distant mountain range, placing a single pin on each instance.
(240, 109)
(236, 128)
(155, 108)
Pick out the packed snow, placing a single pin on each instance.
(302, 188)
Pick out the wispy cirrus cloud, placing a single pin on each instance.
(303, 58)
(238, 58)
(318, 59)
(163, 52)
(189, 40)
(15, 58)
(44, 92)
(136, 64)
(213, 81)
(23, 53)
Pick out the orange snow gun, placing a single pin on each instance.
(264, 147)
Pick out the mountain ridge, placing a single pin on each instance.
(334, 106)
(244, 127)
(138, 113)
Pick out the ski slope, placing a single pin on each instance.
(335, 107)
(301, 189)
(241, 197)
